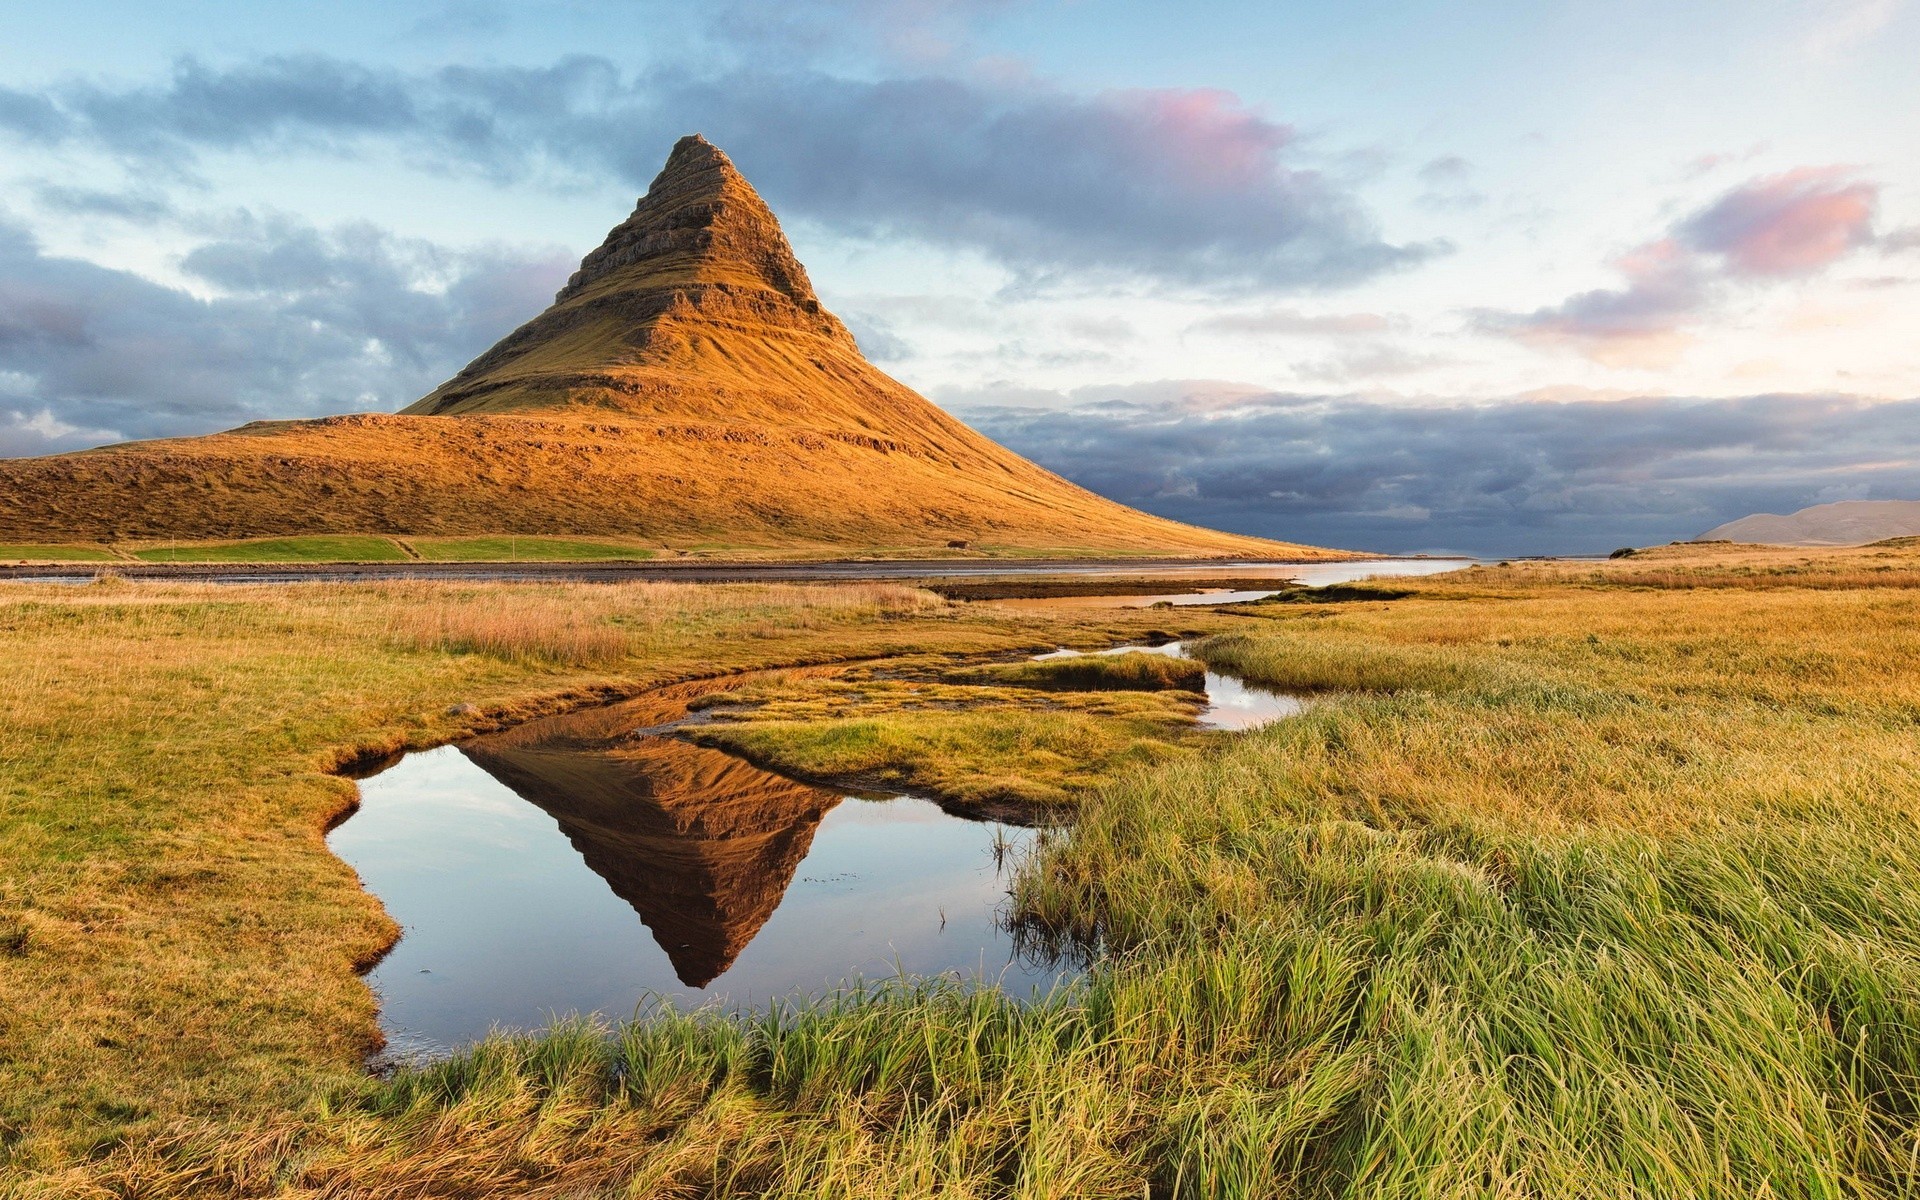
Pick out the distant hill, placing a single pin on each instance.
(1843, 523)
(686, 387)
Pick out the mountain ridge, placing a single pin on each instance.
(1840, 523)
(685, 387)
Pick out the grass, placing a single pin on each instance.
(998, 739)
(346, 548)
(26, 552)
(1568, 886)
(1134, 671)
(175, 938)
(980, 758)
(507, 548)
(543, 631)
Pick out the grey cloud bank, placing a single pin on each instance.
(1186, 185)
(309, 322)
(1503, 478)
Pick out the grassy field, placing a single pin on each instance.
(505, 548)
(174, 936)
(342, 548)
(1578, 881)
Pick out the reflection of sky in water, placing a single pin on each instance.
(1305, 574)
(505, 924)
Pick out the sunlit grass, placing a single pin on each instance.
(1566, 886)
(1134, 671)
(175, 939)
(507, 548)
(346, 548)
(28, 552)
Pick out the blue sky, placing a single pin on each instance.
(1507, 278)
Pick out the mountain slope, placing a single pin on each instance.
(686, 386)
(1842, 523)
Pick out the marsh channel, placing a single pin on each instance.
(595, 863)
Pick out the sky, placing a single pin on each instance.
(1514, 277)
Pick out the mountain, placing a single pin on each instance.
(685, 387)
(1843, 523)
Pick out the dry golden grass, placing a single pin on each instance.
(971, 740)
(1567, 887)
(175, 938)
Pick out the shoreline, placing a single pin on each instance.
(828, 570)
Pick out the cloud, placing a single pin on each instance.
(1776, 228)
(1784, 226)
(1289, 321)
(1844, 24)
(305, 322)
(1367, 361)
(1447, 169)
(24, 432)
(91, 202)
(1507, 477)
(913, 31)
(1637, 325)
(1449, 185)
(876, 336)
(1178, 184)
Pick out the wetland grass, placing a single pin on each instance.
(1131, 672)
(1567, 887)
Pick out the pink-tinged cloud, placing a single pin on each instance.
(1638, 325)
(1798, 223)
(1203, 137)
(1780, 227)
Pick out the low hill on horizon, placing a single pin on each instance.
(1841, 523)
(686, 387)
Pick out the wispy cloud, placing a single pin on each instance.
(1772, 229)
(1291, 321)
(1840, 25)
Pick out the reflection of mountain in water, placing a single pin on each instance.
(701, 844)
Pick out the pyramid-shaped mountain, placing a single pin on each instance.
(686, 387)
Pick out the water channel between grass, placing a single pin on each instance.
(572, 866)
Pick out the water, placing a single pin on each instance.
(587, 864)
(536, 874)
(1304, 574)
(1231, 703)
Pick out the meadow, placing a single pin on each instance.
(1575, 880)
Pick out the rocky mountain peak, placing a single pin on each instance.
(700, 221)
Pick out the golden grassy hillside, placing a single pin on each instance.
(685, 384)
